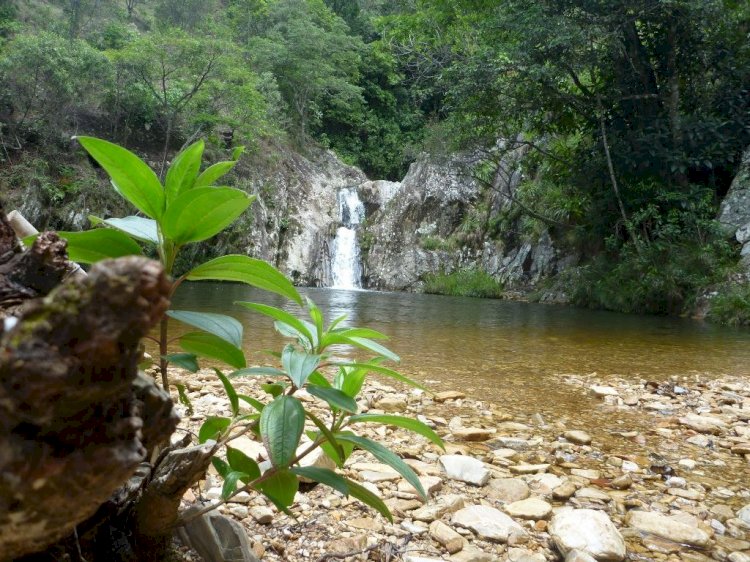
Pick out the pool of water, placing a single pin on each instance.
(498, 350)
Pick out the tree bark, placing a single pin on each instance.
(76, 419)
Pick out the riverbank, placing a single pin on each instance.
(515, 485)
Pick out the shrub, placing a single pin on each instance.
(469, 282)
(731, 306)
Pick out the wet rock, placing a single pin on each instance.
(466, 469)
(515, 443)
(589, 531)
(450, 539)
(508, 490)
(667, 527)
(603, 391)
(578, 437)
(531, 508)
(488, 523)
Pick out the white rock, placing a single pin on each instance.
(602, 391)
(508, 489)
(703, 424)
(466, 469)
(531, 508)
(744, 514)
(579, 437)
(488, 523)
(589, 531)
(667, 527)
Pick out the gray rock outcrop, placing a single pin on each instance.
(734, 213)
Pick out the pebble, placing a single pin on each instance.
(531, 508)
(578, 437)
(508, 490)
(667, 527)
(450, 539)
(466, 469)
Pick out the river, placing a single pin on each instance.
(503, 351)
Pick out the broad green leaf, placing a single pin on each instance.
(375, 347)
(390, 373)
(184, 400)
(388, 457)
(221, 467)
(257, 404)
(244, 269)
(234, 401)
(208, 345)
(237, 152)
(91, 246)
(350, 379)
(274, 389)
(281, 425)
(209, 176)
(230, 483)
(140, 228)
(336, 322)
(334, 397)
(407, 423)
(183, 171)
(324, 476)
(132, 178)
(187, 361)
(203, 212)
(225, 327)
(298, 364)
(257, 372)
(339, 457)
(281, 315)
(213, 428)
(360, 333)
(317, 318)
(368, 498)
(280, 488)
(337, 454)
(318, 379)
(240, 462)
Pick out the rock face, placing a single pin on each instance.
(734, 213)
(588, 531)
(429, 225)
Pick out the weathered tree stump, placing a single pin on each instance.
(76, 418)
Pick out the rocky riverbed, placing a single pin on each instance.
(669, 482)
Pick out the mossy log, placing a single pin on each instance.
(76, 418)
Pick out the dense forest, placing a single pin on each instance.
(635, 113)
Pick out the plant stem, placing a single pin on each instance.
(163, 362)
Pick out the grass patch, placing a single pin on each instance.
(731, 306)
(464, 283)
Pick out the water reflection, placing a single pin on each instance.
(500, 350)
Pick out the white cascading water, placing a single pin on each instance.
(346, 269)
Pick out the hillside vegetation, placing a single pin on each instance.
(634, 113)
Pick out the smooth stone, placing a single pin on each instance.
(410, 558)
(667, 527)
(450, 539)
(564, 491)
(579, 556)
(348, 544)
(688, 494)
(529, 468)
(391, 404)
(589, 474)
(523, 555)
(508, 490)
(676, 482)
(262, 514)
(217, 538)
(488, 522)
(252, 449)
(515, 443)
(445, 504)
(593, 494)
(578, 437)
(472, 434)
(531, 508)
(739, 557)
(465, 469)
(602, 391)
(473, 554)
(543, 484)
(622, 482)
(589, 531)
(744, 514)
(703, 424)
(365, 523)
(375, 477)
(431, 484)
(448, 395)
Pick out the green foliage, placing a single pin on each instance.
(731, 305)
(464, 283)
(281, 421)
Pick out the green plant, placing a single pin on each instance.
(467, 282)
(731, 305)
(185, 210)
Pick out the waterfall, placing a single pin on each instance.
(346, 269)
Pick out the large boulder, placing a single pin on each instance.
(734, 213)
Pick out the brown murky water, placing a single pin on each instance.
(514, 354)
